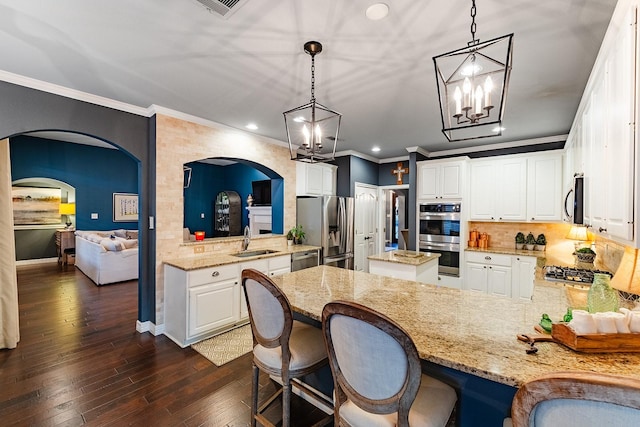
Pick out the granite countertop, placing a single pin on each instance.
(405, 257)
(468, 331)
(222, 258)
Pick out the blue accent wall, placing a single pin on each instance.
(96, 173)
(208, 180)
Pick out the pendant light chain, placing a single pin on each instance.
(313, 78)
(473, 41)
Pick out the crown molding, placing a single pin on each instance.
(500, 146)
(157, 109)
(371, 158)
(71, 93)
(418, 150)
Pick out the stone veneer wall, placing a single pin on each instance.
(179, 141)
(559, 250)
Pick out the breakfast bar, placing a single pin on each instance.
(464, 336)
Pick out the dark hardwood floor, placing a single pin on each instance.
(80, 361)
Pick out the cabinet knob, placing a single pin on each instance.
(533, 219)
(215, 274)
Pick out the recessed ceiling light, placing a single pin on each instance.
(375, 149)
(377, 11)
(497, 129)
(252, 126)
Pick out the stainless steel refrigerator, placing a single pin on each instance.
(328, 223)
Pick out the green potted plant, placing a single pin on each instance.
(519, 240)
(296, 234)
(530, 242)
(541, 242)
(585, 254)
(290, 237)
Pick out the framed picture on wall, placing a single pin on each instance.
(35, 205)
(125, 207)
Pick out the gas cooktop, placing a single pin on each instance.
(556, 273)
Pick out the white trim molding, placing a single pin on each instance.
(149, 326)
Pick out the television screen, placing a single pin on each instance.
(261, 192)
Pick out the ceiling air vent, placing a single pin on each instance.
(224, 8)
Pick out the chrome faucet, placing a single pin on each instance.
(247, 238)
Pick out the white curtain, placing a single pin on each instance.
(9, 328)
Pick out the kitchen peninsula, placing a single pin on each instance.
(458, 331)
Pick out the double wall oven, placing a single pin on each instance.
(440, 233)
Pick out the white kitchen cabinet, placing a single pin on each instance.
(500, 274)
(199, 303)
(603, 136)
(488, 273)
(523, 276)
(315, 179)
(212, 306)
(279, 265)
(498, 189)
(544, 187)
(440, 180)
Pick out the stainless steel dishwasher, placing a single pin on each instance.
(306, 259)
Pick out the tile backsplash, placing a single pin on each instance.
(559, 249)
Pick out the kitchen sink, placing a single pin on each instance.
(257, 252)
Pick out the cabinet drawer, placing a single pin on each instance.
(262, 265)
(213, 274)
(279, 263)
(489, 258)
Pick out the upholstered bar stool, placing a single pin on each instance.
(282, 347)
(376, 370)
(580, 399)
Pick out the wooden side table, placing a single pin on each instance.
(65, 240)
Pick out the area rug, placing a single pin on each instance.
(226, 347)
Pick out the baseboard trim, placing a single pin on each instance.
(149, 326)
(36, 261)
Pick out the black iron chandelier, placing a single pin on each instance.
(472, 86)
(312, 129)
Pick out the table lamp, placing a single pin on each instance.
(579, 233)
(68, 209)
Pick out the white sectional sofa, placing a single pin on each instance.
(107, 256)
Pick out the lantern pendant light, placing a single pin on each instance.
(312, 129)
(472, 86)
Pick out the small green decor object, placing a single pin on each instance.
(602, 297)
(585, 254)
(530, 240)
(541, 240)
(520, 237)
(545, 322)
(569, 316)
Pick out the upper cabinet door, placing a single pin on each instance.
(482, 191)
(440, 180)
(544, 188)
(428, 181)
(315, 179)
(511, 196)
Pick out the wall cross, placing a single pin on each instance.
(399, 171)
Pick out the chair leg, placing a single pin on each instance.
(286, 402)
(254, 395)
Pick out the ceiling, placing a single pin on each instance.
(250, 66)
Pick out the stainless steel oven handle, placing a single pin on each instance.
(452, 247)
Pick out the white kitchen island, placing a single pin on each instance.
(406, 265)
